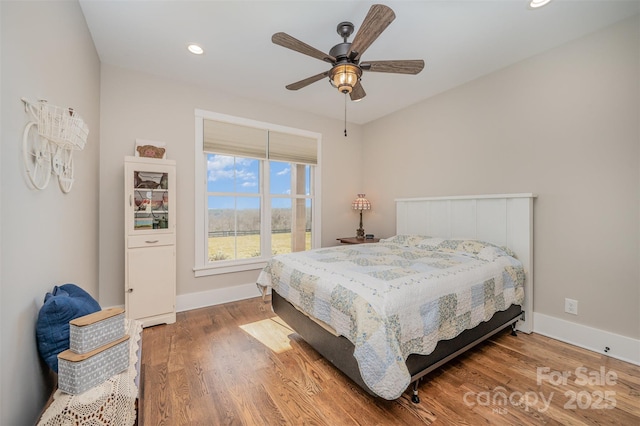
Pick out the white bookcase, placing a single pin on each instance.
(150, 240)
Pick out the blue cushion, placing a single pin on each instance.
(63, 304)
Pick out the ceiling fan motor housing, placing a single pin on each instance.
(340, 51)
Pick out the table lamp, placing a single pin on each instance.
(360, 203)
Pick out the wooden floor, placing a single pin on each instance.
(238, 363)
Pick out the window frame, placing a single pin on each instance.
(202, 265)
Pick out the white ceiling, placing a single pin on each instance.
(458, 40)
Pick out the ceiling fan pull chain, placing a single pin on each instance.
(345, 114)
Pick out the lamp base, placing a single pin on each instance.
(360, 230)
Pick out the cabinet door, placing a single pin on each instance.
(150, 202)
(151, 277)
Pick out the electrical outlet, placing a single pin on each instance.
(571, 306)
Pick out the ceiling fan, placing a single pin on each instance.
(345, 58)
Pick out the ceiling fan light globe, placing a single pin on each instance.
(345, 77)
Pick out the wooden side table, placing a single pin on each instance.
(354, 240)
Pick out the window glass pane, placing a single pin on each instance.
(303, 175)
(290, 225)
(279, 178)
(248, 235)
(301, 233)
(232, 174)
(280, 225)
(221, 228)
(307, 173)
(234, 227)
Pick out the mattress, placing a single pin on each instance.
(399, 296)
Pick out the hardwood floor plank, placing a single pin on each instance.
(255, 406)
(157, 403)
(181, 398)
(295, 406)
(220, 408)
(240, 364)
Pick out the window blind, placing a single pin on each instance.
(233, 139)
(292, 148)
(244, 141)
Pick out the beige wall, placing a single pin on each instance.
(563, 125)
(136, 105)
(48, 237)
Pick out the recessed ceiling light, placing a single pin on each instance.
(195, 49)
(534, 4)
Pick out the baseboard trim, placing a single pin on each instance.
(202, 299)
(596, 340)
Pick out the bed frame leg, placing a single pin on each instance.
(513, 329)
(263, 290)
(415, 398)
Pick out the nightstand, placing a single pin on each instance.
(354, 240)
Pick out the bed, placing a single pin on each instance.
(458, 270)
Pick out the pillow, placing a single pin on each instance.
(481, 249)
(405, 240)
(431, 243)
(63, 304)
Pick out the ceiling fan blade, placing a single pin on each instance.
(285, 40)
(378, 18)
(307, 81)
(398, 67)
(358, 92)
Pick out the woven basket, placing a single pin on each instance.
(62, 126)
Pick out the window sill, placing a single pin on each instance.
(252, 265)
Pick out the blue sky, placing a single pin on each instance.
(242, 175)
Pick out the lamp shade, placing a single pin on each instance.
(361, 203)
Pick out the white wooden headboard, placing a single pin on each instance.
(505, 220)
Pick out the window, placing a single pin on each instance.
(256, 192)
(233, 207)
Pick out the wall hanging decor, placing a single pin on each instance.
(48, 143)
(150, 149)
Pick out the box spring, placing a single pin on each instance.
(339, 350)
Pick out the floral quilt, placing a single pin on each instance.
(399, 296)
